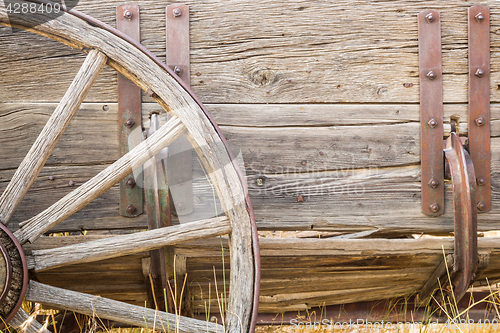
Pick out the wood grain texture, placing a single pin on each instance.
(31, 229)
(35, 159)
(130, 244)
(23, 322)
(347, 51)
(113, 310)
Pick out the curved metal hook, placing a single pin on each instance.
(464, 205)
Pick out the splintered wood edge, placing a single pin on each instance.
(145, 73)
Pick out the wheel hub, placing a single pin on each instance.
(13, 275)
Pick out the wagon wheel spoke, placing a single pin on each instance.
(129, 244)
(31, 229)
(114, 310)
(23, 322)
(40, 151)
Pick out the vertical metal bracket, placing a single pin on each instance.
(129, 115)
(431, 112)
(479, 102)
(180, 154)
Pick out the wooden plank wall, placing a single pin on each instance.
(321, 97)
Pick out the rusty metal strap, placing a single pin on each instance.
(479, 101)
(431, 112)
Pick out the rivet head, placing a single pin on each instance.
(479, 17)
(481, 205)
(430, 17)
(178, 70)
(433, 123)
(479, 121)
(127, 14)
(431, 75)
(300, 198)
(52, 177)
(259, 181)
(481, 181)
(130, 122)
(131, 182)
(434, 207)
(177, 12)
(479, 72)
(151, 93)
(71, 183)
(130, 209)
(105, 108)
(304, 162)
(433, 183)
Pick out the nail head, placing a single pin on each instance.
(430, 17)
(131, 182)
(177, 12)
(479, 17)
(130, 209)
(479, 72)
(433, 123)
(481, 205)
(300, 198)
(479, 121)
(130, 122)
(433, 183)
(127, 14)
(431, 75)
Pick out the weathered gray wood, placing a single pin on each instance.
(23, 322)
(130, 244)
(30, 167)
(31, 229)
(113, 310)
(278, 54)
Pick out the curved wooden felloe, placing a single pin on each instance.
(105, 45)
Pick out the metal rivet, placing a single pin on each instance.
(198, 74)
(479, 72)
(260, 181)
(51, 178)
(130, 209)
(479, 121)
(434, 207)
(130, 122)
(408, 85)
(151, 93)
(321, 153)
(479, 17)
(433, 183)
(300, 198)
(433, 123)
(430, 17)
(304, 162)
(481, 181)
(180, 205)
(178, 70)
(131, 182)
(105, 107)
(127, 14)
(431, 75)
(481, 205)
(71, 183)
(177, 12)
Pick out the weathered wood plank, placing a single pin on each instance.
(273, 53)
(24, 323)
(38, 154)
(113, 310)
(129, 244)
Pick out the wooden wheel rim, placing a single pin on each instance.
(149, 73)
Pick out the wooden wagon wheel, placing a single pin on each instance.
(105, 45)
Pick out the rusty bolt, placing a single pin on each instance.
(431, 75)
(430, 17)
(481, 205)
(260, 181)
(479, 72)
(300, 198)
(433, 123)
(481, 181)
(52, 177)
(177, 12)
(479, 121)
(71, 183)
(304, 162)
(130, 122)
(479, 17)
(130, 209)
(433, 183)
(178, 70)
(131, 182)
(127, 14)
(434, 207)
